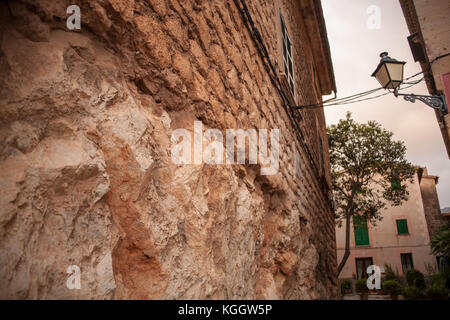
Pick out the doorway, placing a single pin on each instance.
(361, 267)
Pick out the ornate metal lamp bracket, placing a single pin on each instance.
(435, 102)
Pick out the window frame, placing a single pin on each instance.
(396, 184)
(405, 226)
(366, 262)
(411, 262)
(287, 55)
(358, 230)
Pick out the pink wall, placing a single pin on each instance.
(386, 245)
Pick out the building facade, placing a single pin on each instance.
(88, 181)
(430, 199)
(401, 239)
(430, 44)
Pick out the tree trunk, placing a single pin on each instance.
(347, 241)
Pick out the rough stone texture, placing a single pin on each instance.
(87, 180)
(428, 20)
(430, 199)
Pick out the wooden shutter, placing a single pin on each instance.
(361, 231)
(396, 184)
(402, 226)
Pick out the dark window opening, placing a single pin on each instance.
(407, 262)
(288, 64)
(361, 267)
(322, 161)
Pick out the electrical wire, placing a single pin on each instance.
(353, 98)
(260, 46)
(374, 97)
(344, 101)
(365, 93)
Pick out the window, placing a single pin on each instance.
(442, 262)
(407, 262)
(396, 184)
(287, 56)
(361, 231)
(361, 267)
(402, 226)
(322, 162)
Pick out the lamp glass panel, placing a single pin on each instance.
(395, 71)
(393, 84)
(382, 76)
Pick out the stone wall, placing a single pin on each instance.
(431, 202)
(87, 177)
(435, 30)
(428, 19)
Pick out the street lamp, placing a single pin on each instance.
(389, 74)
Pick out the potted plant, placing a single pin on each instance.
(389, 273)
(411, 293)
(439, 279)
(415, 278)
(437, 292)
(361, 288)
(391, 287)
(346, 287)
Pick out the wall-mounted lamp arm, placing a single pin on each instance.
(435, 102)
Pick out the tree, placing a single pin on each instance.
(369, 171)
(440, 243)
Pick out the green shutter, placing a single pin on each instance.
(402, 226)
(361, 231)
(396, 184)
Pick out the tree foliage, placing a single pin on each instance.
(369, 171)
(440, 243)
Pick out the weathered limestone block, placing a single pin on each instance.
(86, 119)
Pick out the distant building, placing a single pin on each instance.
(430, 200)
(401, 239)
(446, 213)
(428, 24)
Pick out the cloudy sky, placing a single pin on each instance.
(355, 50)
